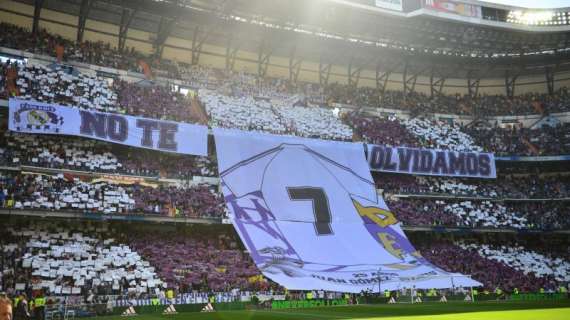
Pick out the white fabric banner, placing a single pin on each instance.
(44, 118)
(308, 212)
(431, 162)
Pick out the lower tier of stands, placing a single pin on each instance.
(80, 258)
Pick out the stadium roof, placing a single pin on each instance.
(341, 33)
(533, 4)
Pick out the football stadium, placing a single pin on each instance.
(284, 159)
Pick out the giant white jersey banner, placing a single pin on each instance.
(308, 212)
(45, 118)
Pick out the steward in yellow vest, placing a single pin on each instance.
(39, 305)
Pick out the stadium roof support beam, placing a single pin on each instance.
(38, 5)
(198, 41)
(353, 74)
(324, 71)
(84, 9)
(473, 84)
(165, 27)
(127, 16)
(200, 38)
(436, 82)
(263, 56)
(231, 52)
(294, 65)
(409, 81)
(383, 74)
(549, 73)
(510, 83)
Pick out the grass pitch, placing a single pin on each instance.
(549, 310)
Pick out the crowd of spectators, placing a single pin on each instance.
(106, 196)
(156, 102)
(201, 201)
(504, 187)
(546, 140)
(546, 215)
(454, 213)
(58, 261)
(510, 202)
(284, 117)
(542, 215)
(483, 105)
(200, 262)
(89, 52)
(526, 261)
(441, 135)
(239, 83)
(56, 85)
(415, 132)
(245, 113)
(85, 259)
(381, 131)
(8, 77)
(521, 202)
(73, 153)
(29, 191)
(456, 257)
(245, 101)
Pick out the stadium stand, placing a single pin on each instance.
(493, 105)
(535, 202)
(104, 179)
(200, 262)
(100, 195)
(64, 259)
(155, 102)
(440, 135)
(526, 261)
(257, 114)
(494, 274)
(55, 85)
(467, 213)
(546, 140)
(86, 155)
(506, 186)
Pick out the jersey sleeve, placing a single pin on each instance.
(247, 176)
(351, 182)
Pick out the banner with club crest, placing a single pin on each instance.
(45, 118)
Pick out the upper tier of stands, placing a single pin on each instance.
(245, 101)
(288, 116)
(103, 54)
